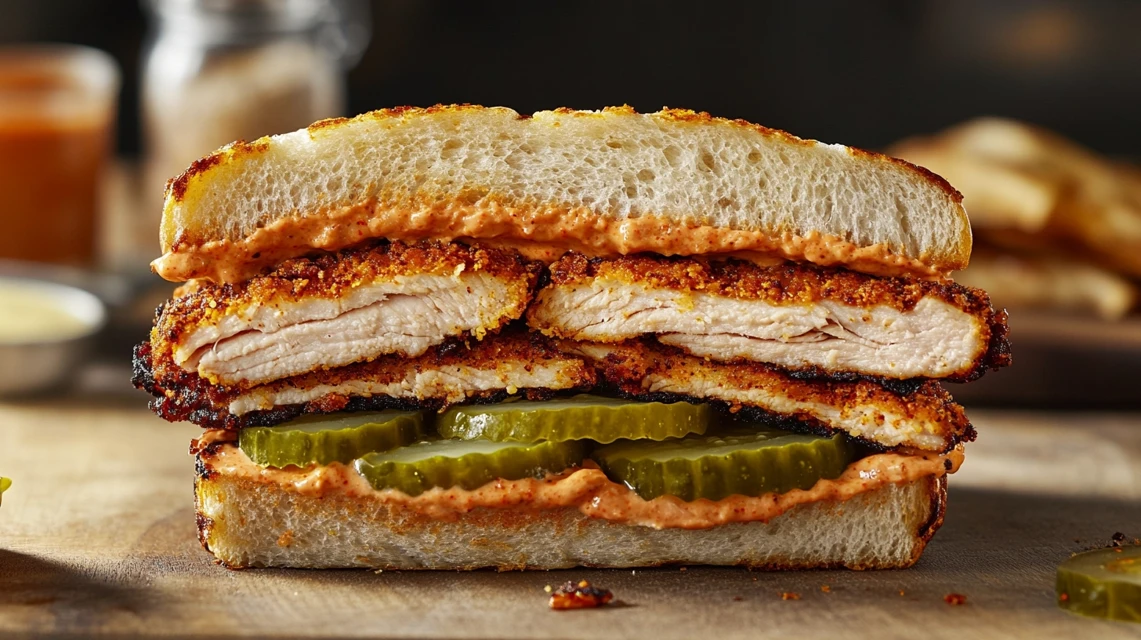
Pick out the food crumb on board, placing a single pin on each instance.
(955, 599)
(738, 598)
(825, 588)
(580, 595)
(1120, 539)
(789, 595)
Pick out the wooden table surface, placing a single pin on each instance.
(97, 537)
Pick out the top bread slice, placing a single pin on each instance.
(605, 183)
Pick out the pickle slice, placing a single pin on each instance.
(465, 463)
(338, 437)
(4, 484)
(1105, 583)
(583, 417)
(748, 463)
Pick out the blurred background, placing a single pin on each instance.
(1050, 184)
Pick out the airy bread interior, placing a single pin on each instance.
(247, 523)
(679, 167)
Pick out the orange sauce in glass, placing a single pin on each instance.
(54, 139)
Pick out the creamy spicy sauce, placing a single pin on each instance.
(591, 492)
(539, 233)
(29, 314)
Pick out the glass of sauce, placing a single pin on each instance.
(57, 105)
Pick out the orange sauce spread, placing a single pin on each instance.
(589, 490)
(537, 232)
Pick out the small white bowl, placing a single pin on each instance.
(28, 365)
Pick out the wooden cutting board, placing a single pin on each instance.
(97, 537)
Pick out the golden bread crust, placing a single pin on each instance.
(192, 252)
(390, 534)
(176, 187)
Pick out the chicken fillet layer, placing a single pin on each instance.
(333, 310)
(925, 419)
(799, 317)
(505, 364)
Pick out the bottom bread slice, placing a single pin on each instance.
(246, 523)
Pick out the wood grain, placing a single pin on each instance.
(97, 537)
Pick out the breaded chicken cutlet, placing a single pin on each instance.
(800, 317)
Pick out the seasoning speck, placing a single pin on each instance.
(580, 595)
(955, 599)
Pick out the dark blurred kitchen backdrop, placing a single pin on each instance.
(1057, 218)
(864, 73)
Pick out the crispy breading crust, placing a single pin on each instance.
(187, 396)
(331, 276)
(787, 284)
(627, 365)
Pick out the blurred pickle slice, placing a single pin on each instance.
(582, 417)
(744, 462)
(1104, 583)
(4, 484)
(469, 464)
(337, 437)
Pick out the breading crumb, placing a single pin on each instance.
(955, 599)
(581, 595)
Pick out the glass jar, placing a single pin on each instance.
(215, 71)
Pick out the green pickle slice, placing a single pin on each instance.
(748, 463)
(469, 464)
(583, 417)
(4, 484)
(337, 437)
(1104, 583)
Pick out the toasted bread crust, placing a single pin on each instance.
(388, 535)
(176, 186)
(221, 251)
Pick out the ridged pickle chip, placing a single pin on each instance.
(744, 462)
(469, 464)
(583, 417)
(338, 437)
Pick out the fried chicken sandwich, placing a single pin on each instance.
(460, 337)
